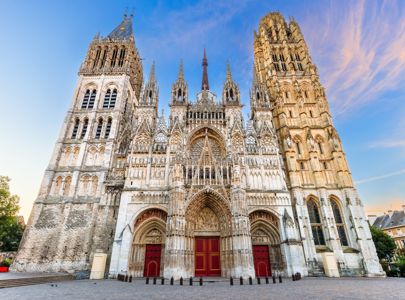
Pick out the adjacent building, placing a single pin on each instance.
(393, 223)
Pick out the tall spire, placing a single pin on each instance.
(205, 85)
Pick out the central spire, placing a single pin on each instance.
(205, 85)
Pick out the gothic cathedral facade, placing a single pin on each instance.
(205, 193)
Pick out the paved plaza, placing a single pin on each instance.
(308, 288)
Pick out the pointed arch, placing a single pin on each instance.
(339, 219)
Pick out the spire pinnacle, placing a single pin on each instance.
(205, 85)
(228, 72)
(152, 75)
(181, 72)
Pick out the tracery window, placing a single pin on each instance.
(315, 220)
(339, 222)
(110, 98)
(88, 99)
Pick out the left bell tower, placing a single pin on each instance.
(75, 213)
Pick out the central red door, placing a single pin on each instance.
(261, 260)
(207, 256)
(152, 261)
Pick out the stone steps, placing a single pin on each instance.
(15, 282)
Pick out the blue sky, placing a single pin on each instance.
(358, 46)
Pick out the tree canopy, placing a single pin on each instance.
(385, 245)
(10, 229)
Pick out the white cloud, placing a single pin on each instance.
(380, 177)
(360, 49)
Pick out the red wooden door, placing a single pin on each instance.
(261, 260)
(207, 256)
(152, 260)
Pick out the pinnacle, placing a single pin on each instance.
(152, 75)
(181, 72)
(228, 72)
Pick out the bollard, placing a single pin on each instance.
(191, 280)
(154, 280)
(258, 280)
(274, 279)
(147, 280)
(241, 280)
(130, 278)
(250, 280)
(280, 279)
(181, 280)
(126, 278)
(171, 281)
(293, 277)
(231, 280)
(267, 280)
(163, 281)
(201, 281)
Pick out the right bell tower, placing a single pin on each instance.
(327, 208)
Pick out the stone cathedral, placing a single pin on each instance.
(206, 192)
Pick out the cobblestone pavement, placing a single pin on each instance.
(307, 288)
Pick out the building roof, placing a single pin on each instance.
(391, 219)
(123, 30)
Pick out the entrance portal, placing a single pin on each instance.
(261, 260)
(207, 256)
(152, 260)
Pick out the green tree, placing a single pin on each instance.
(384, 244)
(10, 229)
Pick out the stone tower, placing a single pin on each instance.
(76, 209)
(327, 207)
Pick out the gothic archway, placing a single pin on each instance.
(147, 252)
(208, 223)
(266, 238)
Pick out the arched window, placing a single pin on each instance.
(99, 128)
(66, 186)
(108, 128)
(316, 225)
(88, 99)
(110, 98)
(75, 128)
(104, 57)
(57, 186)
(339, 222)
(84, 129)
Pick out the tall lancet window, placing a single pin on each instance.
(108, 128)
(75, 128)
(316, 225)
(339, 222)
(99, 128)
(84, 129)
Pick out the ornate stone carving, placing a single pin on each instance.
(207, 221)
